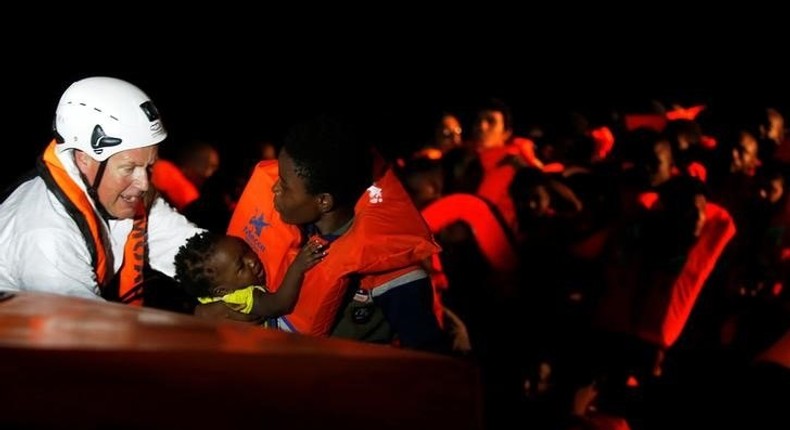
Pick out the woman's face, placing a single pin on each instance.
(291, 200)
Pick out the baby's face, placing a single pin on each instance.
(235, 265)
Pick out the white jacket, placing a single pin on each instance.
(44, 250)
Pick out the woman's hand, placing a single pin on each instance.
(311, 253)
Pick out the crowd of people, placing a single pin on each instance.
(601, 273)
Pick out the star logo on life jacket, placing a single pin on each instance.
(374, 194)
(258, 223)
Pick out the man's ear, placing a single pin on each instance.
(82, 160)
(325, 202)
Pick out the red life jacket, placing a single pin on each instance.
(387, 239)
(664, 327)
(680, 112)
(497, 178)
(489, 232)
(665, 311)
(171, 182)
(697, 170)
(655, 122)
(604, 142)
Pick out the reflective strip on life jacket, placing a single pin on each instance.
(489, 232)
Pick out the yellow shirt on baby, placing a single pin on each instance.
(240, 300)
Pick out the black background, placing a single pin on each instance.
(251, 86)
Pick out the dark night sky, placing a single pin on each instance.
(256, 90)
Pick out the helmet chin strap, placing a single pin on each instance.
(93, 190)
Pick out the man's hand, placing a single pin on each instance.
(218, 311)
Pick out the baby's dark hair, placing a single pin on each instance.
(191, 272)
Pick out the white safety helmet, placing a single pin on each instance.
(102, 116)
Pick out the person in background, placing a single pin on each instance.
(180, 182)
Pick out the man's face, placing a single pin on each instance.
(772, 190)
(490, 131)
(125, 180)
(291, 199)
(203, 166)
(448, 134)
(745, 156)
(660, 166)
(235, 265)
(776, 128)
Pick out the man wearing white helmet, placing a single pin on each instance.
(89, 221)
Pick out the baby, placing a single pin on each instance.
(220, 268)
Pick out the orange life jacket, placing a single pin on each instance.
(387, 239)
(666, 310)
(81, 211)
(490, 234)
(604, 142)
(497, 176)
(174, 186)
(664, 327)
(697, 170)
(679, 112)
(648, 199)
(655, 122)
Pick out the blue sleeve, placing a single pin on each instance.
(409, 311)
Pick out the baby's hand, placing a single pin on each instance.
(312, 252)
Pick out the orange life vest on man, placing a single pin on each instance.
(77, 204)
(387, 239)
